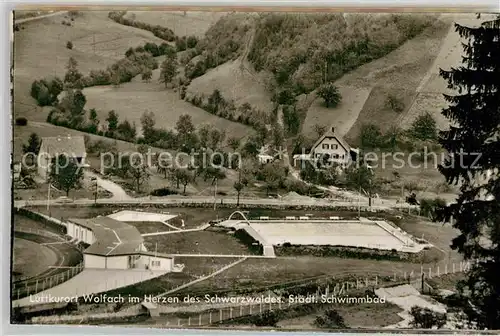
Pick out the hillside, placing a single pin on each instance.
(257, 58)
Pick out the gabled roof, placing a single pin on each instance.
(331, 134)
(72, 146)
(112, 237)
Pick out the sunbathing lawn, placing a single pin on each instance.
(150, 227)
(198, 242)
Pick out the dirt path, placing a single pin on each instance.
(115, 189)
(38, 17)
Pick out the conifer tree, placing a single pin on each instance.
(473, 145)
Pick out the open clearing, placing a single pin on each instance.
(341, 117)
(40, 51)
(199, 242)
(150, 227)
(190, 23)
(131, 100)
(234, 82)
(431, 89)
(398, 73)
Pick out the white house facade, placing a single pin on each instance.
(329, 148)
(115, 245)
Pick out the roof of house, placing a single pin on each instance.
(112, 237)
(331, 134)
(73, 146)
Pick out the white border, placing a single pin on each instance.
(6, 137)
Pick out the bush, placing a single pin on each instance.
(331, 320)
(69, 45)
(249, 241)
(21, 121)
(163, 192)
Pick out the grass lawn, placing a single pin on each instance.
(266, 272)
(363, 315)
(192, 23)
(448, 281)
(131, 100)
(27, 223)
(199, 242)
(150, 227)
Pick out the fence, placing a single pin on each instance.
(215, 314)
(33, 286)
(204, 314)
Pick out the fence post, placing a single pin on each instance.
(445, 268)
(453, 267)
(376, 280)
(18, 294)
(36, 286)
(241, 310)
(178, 321)
(210, 317)
(199, 320)
(395, 277)
(430, 272)
(252, 306)
(261, 307)
(220, 314)
(230, 312)
(438, 270)
(189, 320)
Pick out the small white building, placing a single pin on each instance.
(115, 245)
(51, 147)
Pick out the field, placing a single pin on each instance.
(234, 82)
(361, 315)
(131, 100)
(199, 242)
(192, 23)
(399, 73)
(150, 227)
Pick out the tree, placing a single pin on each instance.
(138, 171)
(319, 129)
(33, 147)
(330, 94)
(394, 103)
(116, 78)
(69, 45)
(474, 113)
(234, 143)
(112, 120)
(72, 76)
(331, 320)
(424, 128)
(238, 186)
(217, 137)
(148, 126)
(362, 179)
(127, 130)
(184, 177)
(146, 75)
(370, 136)
(65, 173)
(168, 70)
(184, 125)
(215, 100)
(424, 318)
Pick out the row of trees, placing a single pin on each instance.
(423, 129)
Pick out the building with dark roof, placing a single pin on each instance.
(51, 147)
(114, 245)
